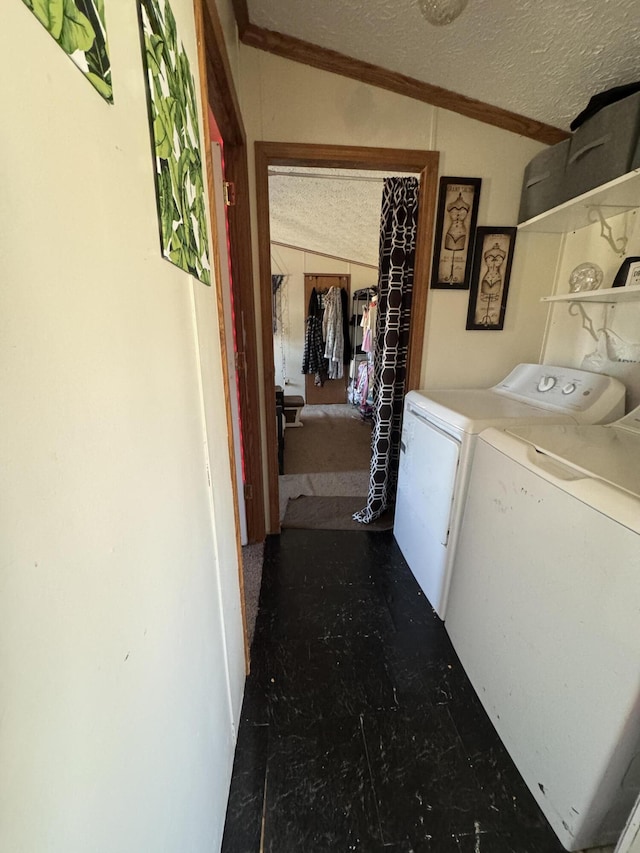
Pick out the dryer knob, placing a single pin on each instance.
(546, 383)
(569, 388)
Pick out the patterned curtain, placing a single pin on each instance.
(398, 229)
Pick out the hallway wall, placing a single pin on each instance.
(121, 649)
(288, 102)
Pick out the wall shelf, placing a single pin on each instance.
(609, 295)
(615, 197)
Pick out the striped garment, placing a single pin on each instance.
(332, 330)
(313, 360)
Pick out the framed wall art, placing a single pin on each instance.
(175, 133)
(628, 274)
(456, 218)
(79, 27)
(492, 258)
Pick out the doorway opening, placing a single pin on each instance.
(325, 244)
(359, 162)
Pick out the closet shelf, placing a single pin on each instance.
(609, 295)
(613, 198)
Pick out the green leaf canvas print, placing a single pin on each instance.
(79, 28)
(176, 143)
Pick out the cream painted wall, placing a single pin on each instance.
(289, 102)
(570, 339)
(121, 654)
(288, 341)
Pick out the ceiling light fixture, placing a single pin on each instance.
(441, 12)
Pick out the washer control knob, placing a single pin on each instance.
(569, 388)
(546, 383)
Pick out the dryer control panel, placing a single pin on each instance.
(589, 397)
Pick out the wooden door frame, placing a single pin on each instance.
(339, 157)
(221, 96)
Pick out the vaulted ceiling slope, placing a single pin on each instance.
(537, 62)
(333, 212)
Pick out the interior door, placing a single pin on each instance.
(333, 390)
(426, 484)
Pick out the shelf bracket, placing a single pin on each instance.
(619, 245)
(576, 308)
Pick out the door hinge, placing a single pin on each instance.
(248, 492)
(229, 189)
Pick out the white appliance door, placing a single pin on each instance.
(543, 612)
(426, 482)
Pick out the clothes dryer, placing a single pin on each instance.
(439, 433)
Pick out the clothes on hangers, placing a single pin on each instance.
(368, 323)
(313, 360)
(332, 330)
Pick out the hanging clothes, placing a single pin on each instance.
(332, 330)
(313, 360)
(368, 323)
(398, 229)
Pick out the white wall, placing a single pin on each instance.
(568, 339)
(289, 102)
(121, 656)
(288, 340)
(286, 101)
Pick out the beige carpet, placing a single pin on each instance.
(252, 559)
(324, 484)
(331, 513)
(333, 438)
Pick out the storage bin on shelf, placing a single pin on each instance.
(604, 147)
(543, 183)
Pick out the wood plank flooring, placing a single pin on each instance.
(360, 730)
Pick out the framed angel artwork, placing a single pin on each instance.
(456, 219)
(492, 259)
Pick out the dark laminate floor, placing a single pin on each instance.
(360, 730)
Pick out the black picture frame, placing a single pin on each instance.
(491, 272)
(456, 218)
(622, 278)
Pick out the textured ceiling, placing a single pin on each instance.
(540, 58)
(336, 213)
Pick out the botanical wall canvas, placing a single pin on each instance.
(176, 141)
(79, 28)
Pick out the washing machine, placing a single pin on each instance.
(439, 433)
(544, 614)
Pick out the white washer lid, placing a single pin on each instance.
(472, 410)
(610, 453)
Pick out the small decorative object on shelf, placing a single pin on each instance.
(628, 273)
(585, 277)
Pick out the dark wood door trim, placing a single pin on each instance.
(199, 15)
(226, 109)
(341, 157)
